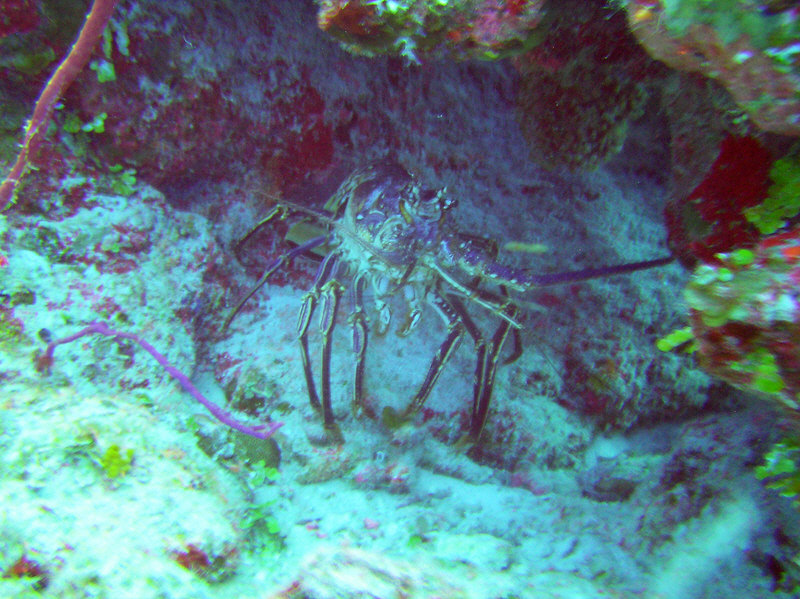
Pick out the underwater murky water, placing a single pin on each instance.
(605, 468)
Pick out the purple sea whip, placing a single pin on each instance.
(45, 360)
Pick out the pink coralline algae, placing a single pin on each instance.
(17, 16)
(711, 219)
(174, 127)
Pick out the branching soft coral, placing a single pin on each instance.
(73, 63)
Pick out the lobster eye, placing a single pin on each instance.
(429, 196)
(429, 204)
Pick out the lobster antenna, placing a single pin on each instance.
(559, 278)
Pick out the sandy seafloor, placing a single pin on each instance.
(557, 504)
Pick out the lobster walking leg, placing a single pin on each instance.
(480, 349)
(487, 355)
(358, 320)
(455, 332)
(331, 294)
(304, 317)
(480, 405)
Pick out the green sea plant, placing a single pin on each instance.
(104, 69)
(123, 182)
(263, 529)
(717, 295)
(75, 133)
(783, 199)
(30, 63)
(11, 329)
(115, 462)
(781, 469)
(261, 473)
(676, 339)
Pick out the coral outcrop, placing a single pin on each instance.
(581, 85)
(482, 29)
(745, 316)
(749, 47)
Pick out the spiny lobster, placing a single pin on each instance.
(387, 233)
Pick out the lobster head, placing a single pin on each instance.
(385, 208)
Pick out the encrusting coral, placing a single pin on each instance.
(749, 47)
